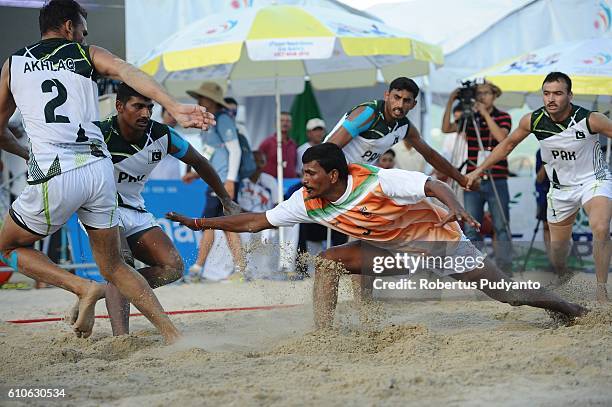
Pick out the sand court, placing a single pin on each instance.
(453, 351)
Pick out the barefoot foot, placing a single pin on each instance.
(172, 337)
(83, 326)
(72, 313)
(601, 293)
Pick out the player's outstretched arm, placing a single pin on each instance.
(8, 142)
(206, 171)
(434, 158)
(503, 149)
(598, 123)
(187, 115)
(456, 212)
(245, 222)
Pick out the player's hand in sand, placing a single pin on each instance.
(192, 116)
(191, 223)
(459, 214)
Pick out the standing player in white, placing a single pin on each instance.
(52, 83)
(577, 169)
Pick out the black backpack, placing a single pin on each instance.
(247, 161)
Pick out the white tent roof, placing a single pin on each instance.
(477, 34)
(450, 24)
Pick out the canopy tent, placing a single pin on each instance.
(473, 36)
(587, 62)
(479, 34)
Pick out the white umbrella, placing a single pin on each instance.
(587, 62)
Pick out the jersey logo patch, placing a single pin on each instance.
(580, 135)
(155, 156)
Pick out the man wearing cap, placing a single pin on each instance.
(315, 131)
(221, 147)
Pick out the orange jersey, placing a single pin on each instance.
(386, 206)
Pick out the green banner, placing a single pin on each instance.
(304, 108)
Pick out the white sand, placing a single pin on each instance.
(452, 352)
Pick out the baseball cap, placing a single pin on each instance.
(314, 123)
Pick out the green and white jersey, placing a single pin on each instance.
(134, 162)
(53, 84)
(372, 136)
(571, 152)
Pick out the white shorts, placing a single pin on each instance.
(88, 190)
(441, 258)
(132, 221)
(564, 202)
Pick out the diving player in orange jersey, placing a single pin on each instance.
(387, 212)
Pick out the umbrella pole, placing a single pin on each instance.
(279, 164)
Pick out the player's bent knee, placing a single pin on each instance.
(174, 269)
(177, 262)
(601, 231)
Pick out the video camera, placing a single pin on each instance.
(467, 94)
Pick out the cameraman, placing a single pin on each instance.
(494, 126)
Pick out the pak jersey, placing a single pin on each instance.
(372, 136)
(134, 162)
(571, 152)
(53, 84)
(382, 206)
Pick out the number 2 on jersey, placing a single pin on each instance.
(47, 87)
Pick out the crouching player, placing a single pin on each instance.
(387, 212)
(137, 144)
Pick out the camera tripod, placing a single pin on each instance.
(468, 115)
